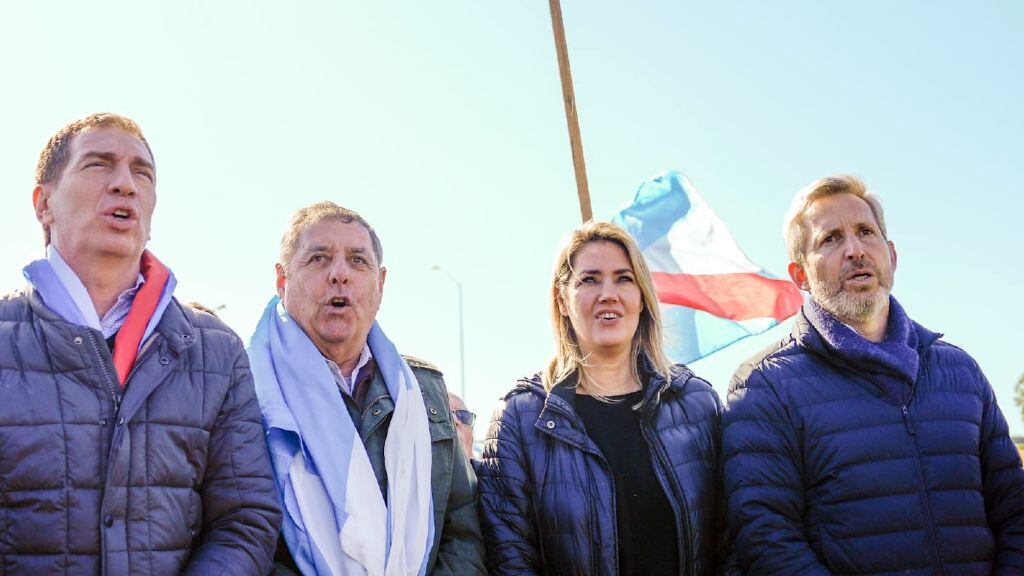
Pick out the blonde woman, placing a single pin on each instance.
(604, 463)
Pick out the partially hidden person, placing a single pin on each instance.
(464, 421)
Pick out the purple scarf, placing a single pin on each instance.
(893, 362)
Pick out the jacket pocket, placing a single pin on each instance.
(441, 427)
(442, 456)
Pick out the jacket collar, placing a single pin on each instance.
(565, 390)
(177, 328)
(807, 336)
(175, 325)
(653, 383)
(559, 418)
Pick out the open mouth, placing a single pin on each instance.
(338, 302)
(122, 214)
(608, 315)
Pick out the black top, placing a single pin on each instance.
(645, 521)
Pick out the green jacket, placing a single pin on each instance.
(458, 544)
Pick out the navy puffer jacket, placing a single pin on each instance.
(176, 480)
(824, 474)
(546, 494)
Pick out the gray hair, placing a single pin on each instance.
(317, 213)
(794, 231)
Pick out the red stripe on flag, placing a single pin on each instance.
(739, 296)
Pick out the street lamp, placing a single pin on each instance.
(462, 338)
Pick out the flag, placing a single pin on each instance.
(710, 293)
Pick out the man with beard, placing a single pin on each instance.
(863, 444)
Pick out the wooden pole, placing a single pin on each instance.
(569, 98)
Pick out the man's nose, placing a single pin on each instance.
(855, 249)
(121, 181)
(339, 271)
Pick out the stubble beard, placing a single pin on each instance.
(853, 307)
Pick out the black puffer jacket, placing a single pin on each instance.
(175, 480)
(547, 498)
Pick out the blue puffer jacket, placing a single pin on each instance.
(546, 494)
(175, 479)
(825, 474)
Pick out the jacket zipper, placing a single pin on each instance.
(923, 494)
(906, 420)
(923, 491)
(116, 395)
(904, 408)
(933, 537)
(366, 411)
(370, 405)
(669, 485)
(595, 552)
(114, 390)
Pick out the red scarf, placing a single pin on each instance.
(129, 337)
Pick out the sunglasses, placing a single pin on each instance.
(464, 416)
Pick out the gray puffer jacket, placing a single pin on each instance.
(171, 477)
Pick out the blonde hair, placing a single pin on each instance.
(317, 213)
(57, 152)
(569, 358)
(793, 229)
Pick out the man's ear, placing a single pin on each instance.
(799, 276)
(892, 254)
(380, 279)
(41, 202)
(281, 280)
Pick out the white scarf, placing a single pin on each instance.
(340, 506)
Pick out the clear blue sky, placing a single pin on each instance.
(442, 123)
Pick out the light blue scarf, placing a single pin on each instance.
(63, 292)
(337, 521)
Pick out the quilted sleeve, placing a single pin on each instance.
(506, 498)
(763, 481)
(241, 514)
(1003, 485)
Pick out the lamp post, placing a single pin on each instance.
(462, 336)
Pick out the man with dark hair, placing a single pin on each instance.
(130, 440)
(863, 444)
(367, 461)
